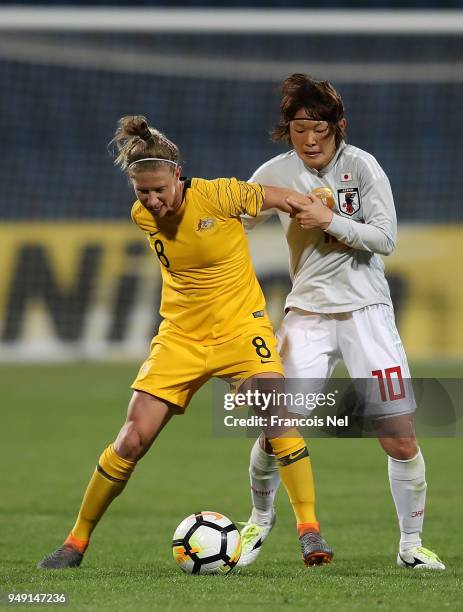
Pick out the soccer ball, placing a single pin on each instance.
(326, 196)
(206, 543)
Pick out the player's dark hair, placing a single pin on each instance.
(134, 139)
(319, 99)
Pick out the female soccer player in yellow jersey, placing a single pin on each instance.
(214, 322)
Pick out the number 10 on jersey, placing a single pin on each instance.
(391, 393)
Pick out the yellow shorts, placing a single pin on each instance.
(178, 367)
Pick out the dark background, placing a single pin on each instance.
(56, 120)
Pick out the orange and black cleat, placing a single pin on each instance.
(70, 554)
(315, 551)
(65, 556)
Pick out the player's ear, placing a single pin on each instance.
(178, 172)
(342, 124)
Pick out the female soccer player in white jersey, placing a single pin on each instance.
(339, 306)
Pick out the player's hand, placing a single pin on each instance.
(293, 201)
(310, 212)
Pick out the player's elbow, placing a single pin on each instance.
(388, 249)
(387, 246)
(247, 223)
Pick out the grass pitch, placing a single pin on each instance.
(57, 419)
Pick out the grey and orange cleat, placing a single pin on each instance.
(65, 556)
(315, 551)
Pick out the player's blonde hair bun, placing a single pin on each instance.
(135, 139)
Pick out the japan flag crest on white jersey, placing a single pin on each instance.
(349, 201)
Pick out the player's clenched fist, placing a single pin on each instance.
(311, 211)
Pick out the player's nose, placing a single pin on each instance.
(311, 140)
(152, 198)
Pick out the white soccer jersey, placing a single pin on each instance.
(339, 269)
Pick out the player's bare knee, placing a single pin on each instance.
(400, 448)
(129, 443)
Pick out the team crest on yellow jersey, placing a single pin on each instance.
(205, 224)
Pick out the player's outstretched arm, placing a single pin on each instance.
(277, 197)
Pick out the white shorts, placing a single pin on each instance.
(367, 340)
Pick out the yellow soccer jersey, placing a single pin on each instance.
(210, 291)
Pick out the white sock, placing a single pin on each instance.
(265, 480)
(408, 488)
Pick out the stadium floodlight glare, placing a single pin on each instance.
(44, 49)
(239, 21)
